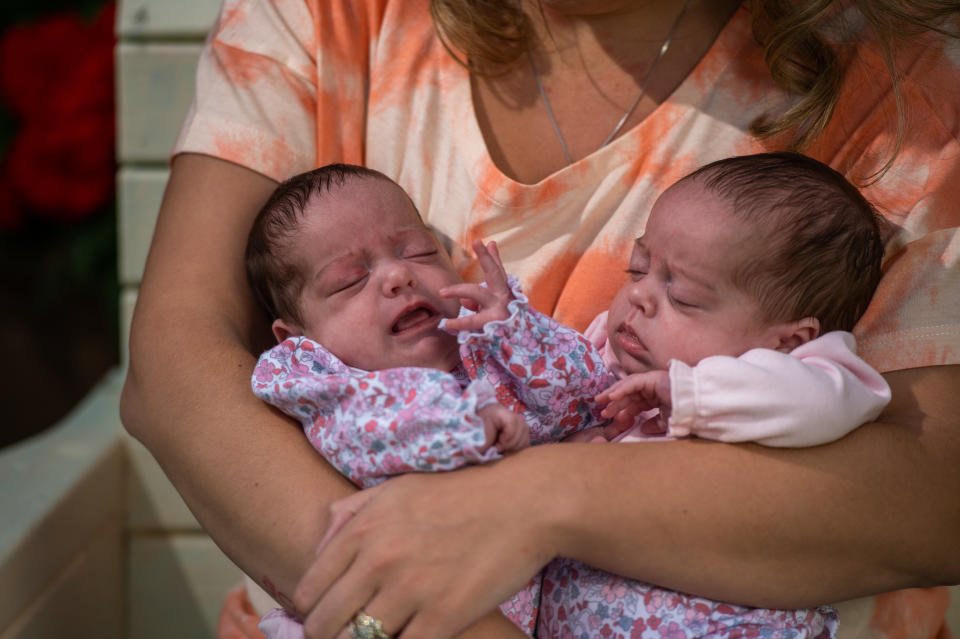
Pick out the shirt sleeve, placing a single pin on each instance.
(913, 319)
(372, 425)
(539, 368)
(282, 85)
(817, 393)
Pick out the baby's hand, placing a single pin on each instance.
(503, 428)
(634, 394)
(490, 303)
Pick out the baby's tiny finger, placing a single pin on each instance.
(464, 290)
(494, 251)
(617, 390)
(493, 271)
(468, 323)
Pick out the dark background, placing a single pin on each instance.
(58, 274)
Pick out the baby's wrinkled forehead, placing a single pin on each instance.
(357, 193)
(693, 234)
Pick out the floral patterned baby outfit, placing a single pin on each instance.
(580, 602)
(532, 357)
(371, 425)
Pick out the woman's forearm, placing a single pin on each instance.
(875, 511)
(784, 528)
(245, 471)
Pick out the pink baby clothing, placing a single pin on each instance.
(370, 425)
(577, 600)
(815, 394)
(537, 367)
(373, 424)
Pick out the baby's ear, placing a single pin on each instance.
(793, 334)
(282, 330)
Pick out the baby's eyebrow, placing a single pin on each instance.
(703, 282)
(411, 233)
(337, 261)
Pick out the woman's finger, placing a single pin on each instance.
(374, 585)
(338, 607)
(329, 565)
(341, 511)
(342, 579)
(334, 553)
(385, 610)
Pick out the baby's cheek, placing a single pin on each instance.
(689, 346)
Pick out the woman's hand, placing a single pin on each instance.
(417, 552)
(429, 554)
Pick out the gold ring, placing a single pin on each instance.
(364, 626)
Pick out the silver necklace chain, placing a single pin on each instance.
(633, 105)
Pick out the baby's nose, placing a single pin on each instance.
(397, 277)
(642, 296)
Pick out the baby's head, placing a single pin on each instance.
(760, 251)
(340, 254)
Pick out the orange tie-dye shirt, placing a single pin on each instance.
(288, 85)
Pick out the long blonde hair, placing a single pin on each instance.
(487, 36)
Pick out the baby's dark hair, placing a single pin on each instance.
(274, 277)
(817, 248)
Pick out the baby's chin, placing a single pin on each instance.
(443, 355)
(633, 366)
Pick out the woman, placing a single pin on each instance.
(566, 123)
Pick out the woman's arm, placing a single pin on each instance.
(246, 472)
(877, 510)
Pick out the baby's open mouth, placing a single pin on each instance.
(413, 318)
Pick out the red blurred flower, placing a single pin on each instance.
(56, 75)
(11, 208)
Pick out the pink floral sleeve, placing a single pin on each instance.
(580, 601)
(539, 368)
(372, 425)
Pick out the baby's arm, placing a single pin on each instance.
(541, 369)
(816, 394)
(370, 426)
